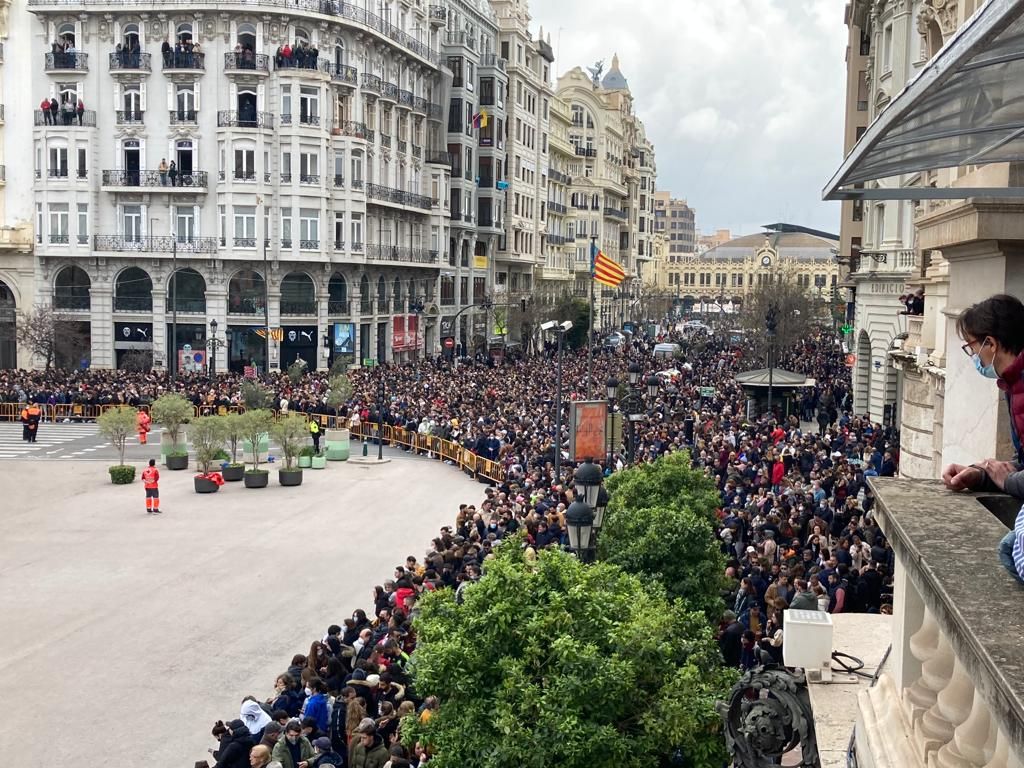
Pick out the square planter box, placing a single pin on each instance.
(337, 451)
(305, 462)
(319, 462)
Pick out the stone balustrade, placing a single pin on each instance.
(953, 693)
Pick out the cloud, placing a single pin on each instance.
(743, 99)
(705, 124)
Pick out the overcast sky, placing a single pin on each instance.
(743, 99)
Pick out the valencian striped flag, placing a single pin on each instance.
(606, 271)
(277, 334)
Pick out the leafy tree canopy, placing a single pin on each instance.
(659, 525)
(550, 662)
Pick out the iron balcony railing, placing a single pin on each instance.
(353, 129)
(420, 104)
(385, 140)
(246, 60)
(184, 117)
(403, 146)
(188, 306)
(59, 238)
(298, 307)
(130, 61)
(616, 212)
(133, 303)
(130, 117)
(439, 158)
(56, 62)
(286, 119)
(65, 119)
(417, 151)
(346, 75)
(345, 10)
(400, 253)
(371, 82)
(435, 112)
(65, 301)
(231, 119)
(154, 244)
(461, 38)
(157, 178)
(309, 245)
(491, 60)
(586, 152)
(556, 207)
(559, 176)
(405, 99)
(389, 91)
(339, 307)
(308, 64)
(398, 196)
(245, 242)
(339, 180)
(438, 13)
(309, 178)
(184, 60)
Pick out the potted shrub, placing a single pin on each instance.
(306, 457)
(234, 470)
(117, 425)
(337, 440)
(254, 426)
(207, 440)
(173, 411)
(290, 432)
(319, 460)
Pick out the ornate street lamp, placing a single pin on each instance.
(613, 389)
(634, 373)
(588, 480)
(579, 519)
(653, 386)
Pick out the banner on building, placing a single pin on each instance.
(588, 437)
(344, 338)
(398, 333)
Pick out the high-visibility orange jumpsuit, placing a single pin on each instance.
(143, 421)
(151, 480)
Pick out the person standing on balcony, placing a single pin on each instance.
(162, 168)
(993, 332)
(45, 107)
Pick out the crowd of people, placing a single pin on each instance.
(795, 522)
(302, 55)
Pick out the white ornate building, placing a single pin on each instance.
(310, 194)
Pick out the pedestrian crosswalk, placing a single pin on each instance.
(52, 440)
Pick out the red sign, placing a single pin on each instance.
(851, 360)
(398, 333)
(449, 343)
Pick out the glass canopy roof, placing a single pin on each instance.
(965, 107)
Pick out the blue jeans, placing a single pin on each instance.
(1006, 555)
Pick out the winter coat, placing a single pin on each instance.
(282, 754)
(234, 749)
(374, 756)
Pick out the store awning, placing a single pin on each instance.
(965, 107)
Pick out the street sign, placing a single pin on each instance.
(851, 360)
(707, 391)
(369, 362)
(449, 343)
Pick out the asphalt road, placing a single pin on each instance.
(126, 635)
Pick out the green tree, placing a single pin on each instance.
(207, 435)
(254, 425)
(659, 525)
(550, 662)
(233, 433)
(117, 425)
(256, 396)
(794, 314)
(339, 392)
(578, 311)
(291, 430)
(172, 411)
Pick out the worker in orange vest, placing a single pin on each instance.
(143, 421)
(31, 415)
(151, 480)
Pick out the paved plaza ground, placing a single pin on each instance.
(125, 636)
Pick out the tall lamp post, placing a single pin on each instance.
(212, 343)
(380, 418)
(559, 329)
(612, 386)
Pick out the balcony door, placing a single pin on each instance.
(183, 156)
(185, 223)
(247, 109)
(132, 162)
(131, 223)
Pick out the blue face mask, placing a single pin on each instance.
(988, 371)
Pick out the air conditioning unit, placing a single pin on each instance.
(808, 643)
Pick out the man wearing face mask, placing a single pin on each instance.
(993, 332)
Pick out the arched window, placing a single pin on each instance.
(298, 294)
(337, 295)
(339, 54)
(382, 294)
(66, 33)
(71, 289)
(183, 33)
(130, 37)
(934, 37)
(246, 293)
(246, 36)
(187, 289)
(365, 304)
(301, 35)
(133, 291)
(8, 328)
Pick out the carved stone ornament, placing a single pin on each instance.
(946, 14)
(769, 714)
(156, 30)
(106, 27)
(924, 18)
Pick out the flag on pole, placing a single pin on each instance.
(604, 270)
(277, 334)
